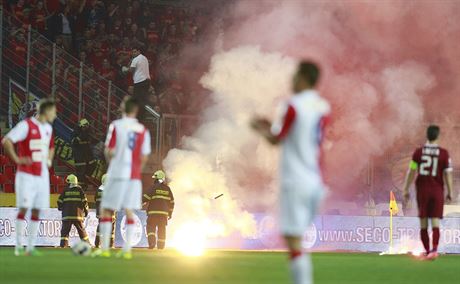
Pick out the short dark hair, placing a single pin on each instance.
(432, 132)
(130, 104)
(309, 71)
(45, 104)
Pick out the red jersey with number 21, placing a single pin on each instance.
(432, 162)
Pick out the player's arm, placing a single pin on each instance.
(450, 184)
(410, 176)
(275, 133)
(51, 152)
(262, 127)
(18, 133)
(110, 143)
(448, 179)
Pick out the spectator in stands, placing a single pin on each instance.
(63, 24)
(139, 67)
(82, 151)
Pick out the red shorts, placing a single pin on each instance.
(430, 202)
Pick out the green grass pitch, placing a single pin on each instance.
(220, 267)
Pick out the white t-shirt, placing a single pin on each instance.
(300, 129)
(141, 63)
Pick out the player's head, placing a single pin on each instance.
(130, 106)
(306, 77)
(47, 110)
(432, 132)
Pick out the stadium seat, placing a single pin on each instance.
(4, 160)
(10, 172)
(8, 188)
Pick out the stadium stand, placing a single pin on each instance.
(84, 76)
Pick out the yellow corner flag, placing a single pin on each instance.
(393, 204)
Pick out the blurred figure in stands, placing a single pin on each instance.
(74, 207)
(82, 151)
(100, 191)
(139, 67)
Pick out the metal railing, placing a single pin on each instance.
(47, 70)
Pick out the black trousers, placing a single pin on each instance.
(65, 231)
(156, 230)
(97, 241)
(141, 93)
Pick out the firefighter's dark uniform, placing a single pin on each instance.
(74, 206)
(98, 199)
(160, 207)
(83, 156)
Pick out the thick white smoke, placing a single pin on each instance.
(223, 154)
(388, 67)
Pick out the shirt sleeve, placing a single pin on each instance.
(281, 128)
(52, 141)
(146, 146)
(111, 139)
(19, 132)
(413, 165)
(133, 63)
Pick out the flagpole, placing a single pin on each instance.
(391, 231)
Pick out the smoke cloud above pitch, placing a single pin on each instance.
(389, 68)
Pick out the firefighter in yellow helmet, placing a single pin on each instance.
(74, 206)
(159, 201)
(98, 199)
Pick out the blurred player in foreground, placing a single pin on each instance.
(98, 198)
(74, 207)
(433, 165)
(127, 148)
(159, 201)
(299, 131)
(34, 138)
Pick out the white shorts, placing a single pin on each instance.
(32, 192)
(122, 194)
(299, 204)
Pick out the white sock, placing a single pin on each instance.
(106, 232)
(32, 230)
(301, 269)
(129, 235)
(20, 224)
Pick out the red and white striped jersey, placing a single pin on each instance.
(34, 139)
(131, 141)
(300, 130)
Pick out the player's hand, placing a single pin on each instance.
(449, 198)
(260, 124)
(24, 161)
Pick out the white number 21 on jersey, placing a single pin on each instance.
(427, 163)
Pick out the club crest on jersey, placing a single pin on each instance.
(34, 131)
